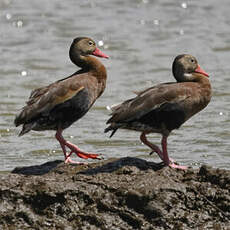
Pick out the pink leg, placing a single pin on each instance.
(165, 152)
(151, 145)
(73, 148)
(162, 154)
(67, 156)
(166, 159)
(69, 160)
(155, 148)
(64, 149)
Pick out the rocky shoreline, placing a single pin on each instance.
(126, 193)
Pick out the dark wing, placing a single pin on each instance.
(44, 99)
(148, 100)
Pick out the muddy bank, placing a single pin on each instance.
(126, 193)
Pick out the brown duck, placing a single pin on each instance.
(165, 107)
(60, 104)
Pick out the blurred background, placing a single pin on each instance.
(142, 37)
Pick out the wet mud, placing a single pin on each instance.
(126, 193)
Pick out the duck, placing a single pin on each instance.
(164, 107)
(58, 105)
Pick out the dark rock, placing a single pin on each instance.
(127, 193)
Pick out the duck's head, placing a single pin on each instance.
(84, 46)
(185, 67)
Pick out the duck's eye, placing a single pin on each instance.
(192, 60)
(90, 43)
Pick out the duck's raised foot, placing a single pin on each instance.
(80, 153)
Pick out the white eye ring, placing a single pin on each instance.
(90, 43)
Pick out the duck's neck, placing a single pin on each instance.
(79, 59)
(192, 77)
(201, 79)
(205, 87)
(89, 63)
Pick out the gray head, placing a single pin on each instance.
(82, 47)
(184, 66)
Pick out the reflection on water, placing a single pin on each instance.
(142, 37)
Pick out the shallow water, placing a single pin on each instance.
(142, 38)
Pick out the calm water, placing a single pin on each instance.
(142, 38)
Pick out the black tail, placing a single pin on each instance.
(109, 129)
(26, 128)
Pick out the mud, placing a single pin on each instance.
(126, 193)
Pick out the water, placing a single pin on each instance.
(142, 38)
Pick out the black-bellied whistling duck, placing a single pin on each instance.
(165, 107)
(60, 104)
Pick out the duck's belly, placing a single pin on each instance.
(161, 120)
(137, 126)
(64, 115)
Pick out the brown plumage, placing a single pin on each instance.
(58, 105)
(165, 107)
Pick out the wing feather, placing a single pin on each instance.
(148, 100)
(44, 99)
